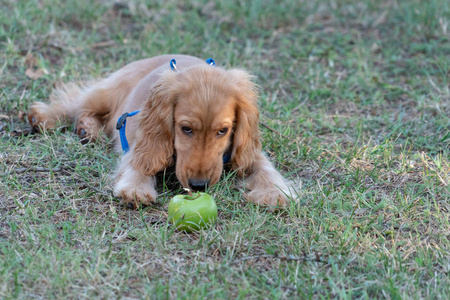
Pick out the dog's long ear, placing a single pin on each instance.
(154, 145)
(246, 143)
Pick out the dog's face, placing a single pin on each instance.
(198, 115)
(203, 128)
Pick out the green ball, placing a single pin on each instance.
(191, 213)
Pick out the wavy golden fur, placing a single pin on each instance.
(198, 114)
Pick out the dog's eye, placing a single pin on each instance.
(222, 131)
(187, 130)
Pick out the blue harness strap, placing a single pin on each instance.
(173, 65)
(226, 158)
(121, 126)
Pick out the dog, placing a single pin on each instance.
(192, 114)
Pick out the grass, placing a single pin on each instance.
(354, 100)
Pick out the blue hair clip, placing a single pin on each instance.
(173, 65)
(210, 62)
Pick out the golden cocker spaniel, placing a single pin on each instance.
(195, 112)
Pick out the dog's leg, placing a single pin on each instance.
(71, 103)
(65, 105)
(88, 128)
(266, 186)
(132, 186)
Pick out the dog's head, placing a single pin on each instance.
(199, 115)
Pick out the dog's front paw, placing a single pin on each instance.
(272, 197)
(134, 196)
(135, 189)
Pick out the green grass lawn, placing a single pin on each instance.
(355, 103)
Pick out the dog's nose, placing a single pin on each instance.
(198, 184)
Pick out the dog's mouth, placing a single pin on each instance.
(199, 185)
